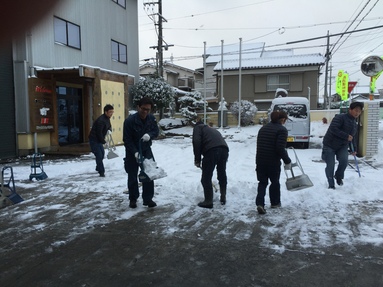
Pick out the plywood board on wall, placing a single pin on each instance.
(113, 93)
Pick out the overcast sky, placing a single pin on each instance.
(275, 22)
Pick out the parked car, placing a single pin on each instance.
(298, 123)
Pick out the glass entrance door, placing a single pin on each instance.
(70, 123)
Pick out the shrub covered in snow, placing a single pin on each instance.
(157, 89)
(190, 104)
(172, 123)
(248, 111)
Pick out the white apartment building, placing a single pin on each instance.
(56, 78)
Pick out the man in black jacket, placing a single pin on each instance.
(271, 148)
(139, 127)
(339, 135)
(100, 128)
(210, 144)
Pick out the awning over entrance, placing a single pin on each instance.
(76, 74)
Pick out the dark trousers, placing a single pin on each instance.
(131, 167)
(212, 158)
(328, 155)
(99, 152)
(264, 174)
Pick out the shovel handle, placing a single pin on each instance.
(140, 156)
(356, 161)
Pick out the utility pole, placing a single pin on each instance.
(326, 97)
(204, 83)
(240, 84)
(160, 44)
(330, 80)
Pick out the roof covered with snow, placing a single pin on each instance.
(77, 68)
(167, 66)
(273, 62)
(231, 52)
(290, 100)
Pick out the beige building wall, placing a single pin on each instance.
(27, 142)
(254, 86)
(113, 93)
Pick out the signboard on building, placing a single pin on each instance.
(41, 105)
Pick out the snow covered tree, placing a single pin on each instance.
(248, 111)
(157, 89)
(190, 103)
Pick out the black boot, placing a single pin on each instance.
(208, 202)
(223, 195)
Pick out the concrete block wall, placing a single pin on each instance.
(372, 134)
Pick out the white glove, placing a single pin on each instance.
(109, 132)
(146, 137)
(288, 166)
(136, 155)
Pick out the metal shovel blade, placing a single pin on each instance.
(15, 198)
(298, 182)
(111, 154)
(143, 177)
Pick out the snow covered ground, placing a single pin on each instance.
(314, 217)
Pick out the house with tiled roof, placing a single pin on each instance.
(262, 73)
(177, 76)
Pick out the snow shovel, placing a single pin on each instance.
(111, 147)
(13, 197)
(149, 170)
(37, 169)
(356, 161)
(142, 176)
(297, 182)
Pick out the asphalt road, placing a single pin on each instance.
(135, 252)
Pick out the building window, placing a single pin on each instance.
(278, 81)
(119, 52)
(122, 3)
(67, 33)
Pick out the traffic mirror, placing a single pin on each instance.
(371, 66)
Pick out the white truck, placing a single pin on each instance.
(298, 123)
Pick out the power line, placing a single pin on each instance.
(161, 42)
(333, 35)
(352, 22)
(360, 21)
(220, 10)
(283, 44)
(264, 28)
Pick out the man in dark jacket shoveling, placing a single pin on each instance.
(100, 128)
(338, 137)
(209, 143)
(141, 126)
(271, 148)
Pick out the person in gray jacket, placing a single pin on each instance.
(209, 143)
(336, 141)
